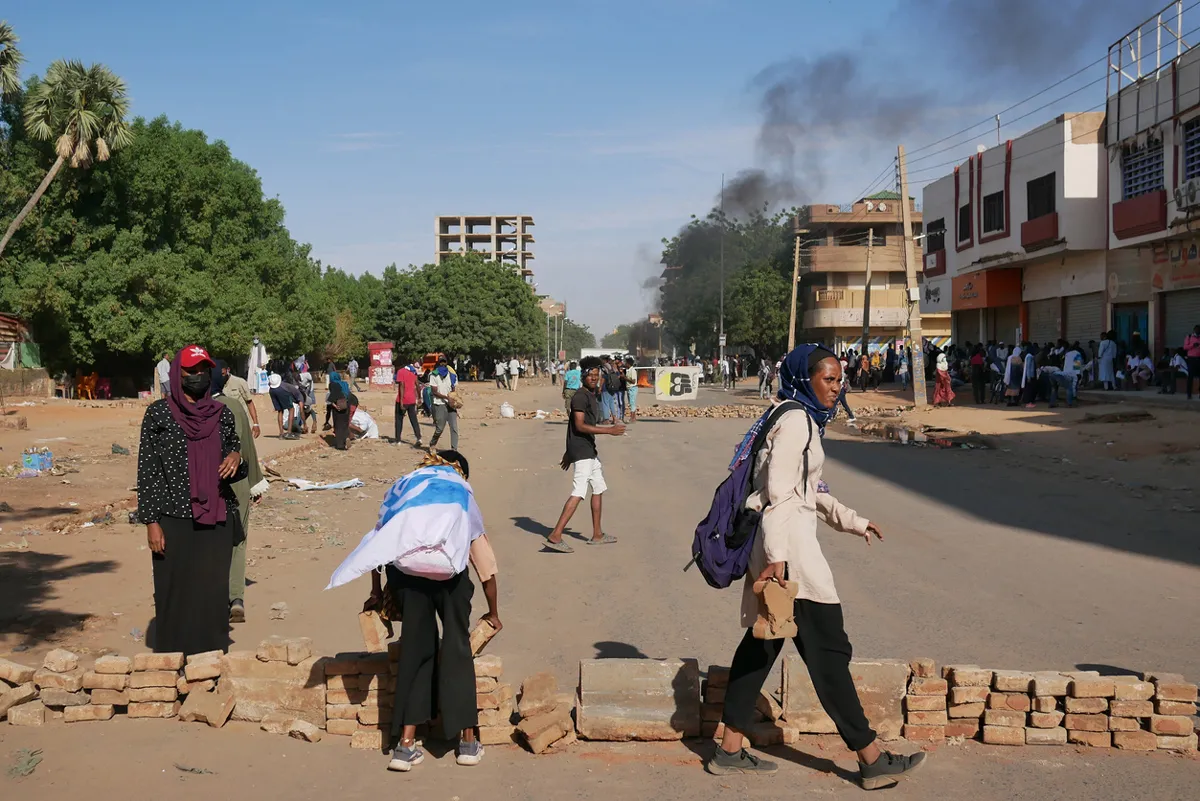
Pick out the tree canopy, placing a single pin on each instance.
(576, 337)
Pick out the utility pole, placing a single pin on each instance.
(796, 232)
(721, 332)
(866, 340)
(916, 339)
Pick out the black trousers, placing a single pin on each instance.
(1193, 364)
(432, 679)
(411, 411)
(978, 382)
(191, 585)
(341, 428)
(825, 649)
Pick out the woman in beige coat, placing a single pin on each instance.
(787, 488)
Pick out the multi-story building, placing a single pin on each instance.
(507, 239)
(834, 262)
(1015, 244)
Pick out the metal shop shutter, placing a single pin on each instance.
(1182, 313)
(1085, 317)
(1043, 320)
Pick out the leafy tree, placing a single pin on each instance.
(757, 308)
(576, 337)
(83, 110)
(619, 338)
(10, 60)
(358, 302)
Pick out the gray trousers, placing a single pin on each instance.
(442, 415)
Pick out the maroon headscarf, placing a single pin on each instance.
(200, 422)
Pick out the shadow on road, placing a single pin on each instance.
(607, 649)
(27, 582)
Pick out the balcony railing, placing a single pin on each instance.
(827, 295)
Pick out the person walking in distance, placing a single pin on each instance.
(1191, 349)
(441, 384)
(501, 374)
(788, 489)
(572, 381)
(236, 388)
(582, 457)
(162, 371)
(352, 368)
(514, 373)
(406, 402)
(631, 389)
(1107, 357)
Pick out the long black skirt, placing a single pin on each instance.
(191, 585)
(341, 428)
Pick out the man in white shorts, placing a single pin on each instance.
(581, 456)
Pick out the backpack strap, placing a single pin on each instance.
(807, 445)
(768, 424)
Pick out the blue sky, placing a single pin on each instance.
(609, 122)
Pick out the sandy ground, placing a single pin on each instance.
(1008, 557)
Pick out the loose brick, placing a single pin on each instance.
(16, 696)
(1123, 724)
(141, 695)
(1087, 722)
(105, 681)
(1012, 681)
(212, 708)
(30, 714)
(718, 676)
(1169, 743)
(207, 656)
(969, 676)
(376, 664)
(1013, 701)
(153, 678)
(495, 698)
(968, 729)
(926, 718)
(340, 667)
(373, 716)
(1131, 709)
(367, 740)
(570, 739)
(542, 731)
(342, 728)
(768, 733)
(1086, 706)
(303, 730)
(78, 714)
(273, 649)
(341, 711)
(924, 668)
(1164, 678)
(1095, 739)
(341, 682)
(142, 662)
(924, 703)
(200, 671)
(113, 665)
(1173, 707)
(281, 722)
(1050, 684)
(1092, 688)
(715, 695)
(298, 649)
(1003, 717)
(71, 681)
(969, 695)
(1045, 720)
(924, 734)
(1176, 691)
(927, 686)
(768, 707)
(498, 735)
(60, 661)
(184, 686)
(489, 665)
(57, 699)
(1003, 735)
(1171, 725)
(1129, 688)
(485, 684)
(15, 673)
(153, 709)
(537, 695)
(110, 697)
(1139, 740)
(966, 710)
(1045, 704)
(1054, 736)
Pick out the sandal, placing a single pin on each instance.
(560, 546)
(607, 539)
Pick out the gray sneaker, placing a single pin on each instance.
(888, 769)
(469, 753)
(723, 764)
(405, 759)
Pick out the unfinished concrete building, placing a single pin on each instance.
(506, 238)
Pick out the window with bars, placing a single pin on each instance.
(1191, 149)
(1142, 170)
(964, 223)
(935, 236)
(993, 212)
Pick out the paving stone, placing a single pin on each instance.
(924, 703)
(489, 665)
(78, 714)
(928, 686)
(1131, 709)
(342, 728)
(212, 708)
(199, 671)
(16, 696)
(881, 685)
(1086, 706)
(281, 722)
(1017, 702)
(113, 665)
(718, 676)
(71, 681)
(1004, 735)
(498, 735)
(1095, 739)
(1047, 684)
(1171, 725)
(969, 676)
(639, 699)
(967, 710)
(1045, 720)
(1134, 740)
(1045, 704)
(1012, 681)
(1123, 724)
(924, 668)
(926, 718)
(15, 673)
(264, 687)
(1174, 707)
(139, 695)
(172, 661)
(968, 728)
(494, 699)
(298, 649)
(105, 681)
(1130, 688)
(367, 740)
(273, 649)
(768, 706)
(1055, 736)
(1003, 717)
(29, 714)
(153, 709)
(1175, 691)
(57, 699)
(1169, 743)
(110, 697)
(538, 695)
(1086, 722)
(969, 695)
(153, 678)
(924, 734)
(207, 656)
(1092, 688)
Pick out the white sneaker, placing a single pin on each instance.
(405, 759)
(470, 753)
(852, 423)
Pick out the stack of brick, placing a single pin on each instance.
(546, 716)
(925, 718)
(1130, 712)
(19, 695)
(154, 686)
(281, 680)
(1006, 721)
(1087, 705)
(712, 707)
(108, 684)
(969, 687)
(1173, 723)
(359, 696)
(60, 683)
(768, 729)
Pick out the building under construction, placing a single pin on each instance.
(506, 238)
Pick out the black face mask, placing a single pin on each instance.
(196, 385)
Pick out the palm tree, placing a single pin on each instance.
(83, 110)
(10, 61)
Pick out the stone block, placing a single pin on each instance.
(1171, 725)
(1134, 740)
(489, 665)
(205, 686)
(139, 695)
(718, 676)
(29, 714)
(153, 709)
(1165, 678)
(967, 710)
(1045, 720)
(78, 714)
(373, 681)
(298, 649)
(768, 706)
(367, 740)
(926, 718)
(713, 695)
(1131, 709)
(1086, 706)
(1054, 736)
(498, 735)
(969, 695)
(493, 700)
(105, 681)
(928, 686)
(16, 696)
(342, 728)
(260, 688)
(968, 728)
(1003, 717)
(969, 676)
(303, 730)
(1095, 739)
(485, 684)
(1174, 707)
(1016, 702)
(1045, 704)
(199, 671)
(923, 668)
(273, 649)
(280, 722)
(341, 665)
(1175, 691)
(212, 708)
(767, 733)
(373, 715)
(566, 742)
(1003, 735)
(1123, 724)
(1012, 681)
(481, 635)
(111, 697)
(881, 685)
(172, 661)
(1092, 688)
(207, 656)
(1187, 743)
(71, 681)
(1045, 684)
(542, 731)
(57, 699)
(60, 661)
(342, 682)
(153, 678)
(1087, 722)
(15, 673)
(1130, 688)
(924, 734)
(341, 711)
(639, 699)
(924, 703)
(113, 665)
(373, 664)
(537, 695)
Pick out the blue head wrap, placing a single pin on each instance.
(336, 378)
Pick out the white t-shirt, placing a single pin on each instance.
(514, 367)
(1072, 363)
(442, 385)
(1179, 363)
(500, 368)
(363, 421)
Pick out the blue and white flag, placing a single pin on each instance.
(427, 522)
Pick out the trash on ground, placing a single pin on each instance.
(304, 485)
(25, 763)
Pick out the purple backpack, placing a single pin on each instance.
(725, 537)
